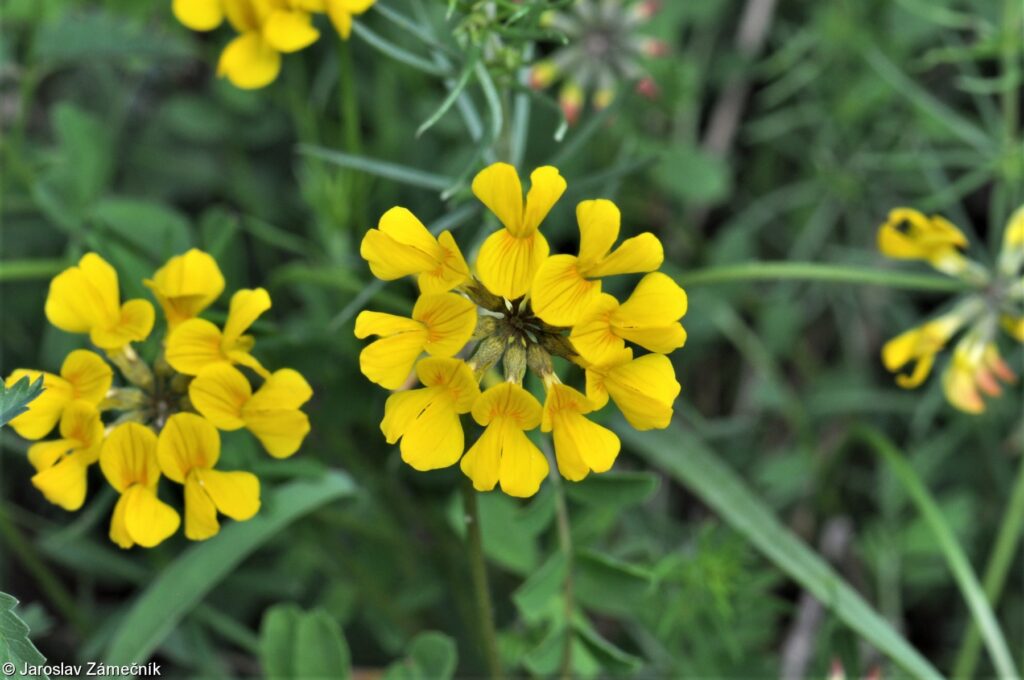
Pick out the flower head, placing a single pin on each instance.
(514, 317)
(148, 421)
(402, 246)
(976, 368)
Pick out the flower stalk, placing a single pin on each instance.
(481, 589)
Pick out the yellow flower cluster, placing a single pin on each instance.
(520, 306)
(976, 367)
(164, 421)
(266, 30)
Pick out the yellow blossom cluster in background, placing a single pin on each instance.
(266, 30)
(164, 421)
(526, 309)
(976, 368)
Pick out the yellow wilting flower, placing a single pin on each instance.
(402, 246)
(495, 323)
(86, 299)
(186, 285)
(128, 460)
(504, 454)
(61, 465)
(157, 397)
(187, 450)
(224, 397)
(197, 343)
(976, 367)
(440, 325)
(565, 285)
(83, 376)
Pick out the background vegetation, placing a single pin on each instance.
(699, 554)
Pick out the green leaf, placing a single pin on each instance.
(392, 171)
(696, 467)
(615, 489)
(610, 586)
(607, 654)
(184, 582)
(15, 646)
(456, 90)
(692, 174)
(152, 228)
(78, 37)
(431, 656)
(16, 398)
(509, 535)
(277, 640)
(297, 644)
(535, 597)
(85, 163)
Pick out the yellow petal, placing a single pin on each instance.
(389, 361)
(128, 457)
(340, 17)
(560, 294)
(1013, 237)
(284, 389)
(482, 462)
(187, 441)
(63, 484)
(498, 187)
(592, 336)
(356, 6)
(508, 401)
(929, 338)
(523, 467)
(200, 512)
(635, 255)
(644, 390)
(908, 234)
(546, 187)
(599, 221)
(379, 323)
(272, 413)
(89, 375)
(249, 62)
(236, 494)
(289, 31)
(219, 392)
(81, 424)
(246, 307)
(188, 283)
(455, 376)
(148, 520)
(449, 320)
(650, 316)
(922, 369)
(199, 15)
(45, 410)
(400, 246)
(134, 323)
(432, 437)
(85, 296)
(402, 408)
(194, 345)
(506, 265)
(580, 444)
(118, 530)
(1014, 325)
(450, 272)
(43, 455)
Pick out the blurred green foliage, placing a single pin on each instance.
(118, 137)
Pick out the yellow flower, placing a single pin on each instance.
(199, 15)
(342, 11)
(504, 454)
(186, 285)
(510, 257)
(440, 325)
(426, 420)
(976, 366)
(649, 318)
(581, 445)
(187, 450)
(86, 299)
(83, 376)
(644, 388)
(224, 397)
(564, 287)
(910, 235)
(1011, 257)
(197, 343)
(266, 29)
(919, 345)
(61, 464)
(128, 460)
(402, 246)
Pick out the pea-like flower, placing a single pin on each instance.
(165, 411)
(976, 367)
(518, 310)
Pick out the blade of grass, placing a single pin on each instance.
(181, 586)
(691, 463)
(813, 271)
(453, 94)
(395, 52)
(965, 577)
(29, 270)
(392, 171)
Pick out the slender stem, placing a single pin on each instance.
(348, 107)
(22, 270)
(565, 545)
(813, 271)
(1003, 553)
(47, 581)
(481, 590)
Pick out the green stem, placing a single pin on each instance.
(348, 107)
(481, 590)
(22, 270)
(565, 545)
(966, 580)
(1003, 553)
(813, 271)
(41, 572)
